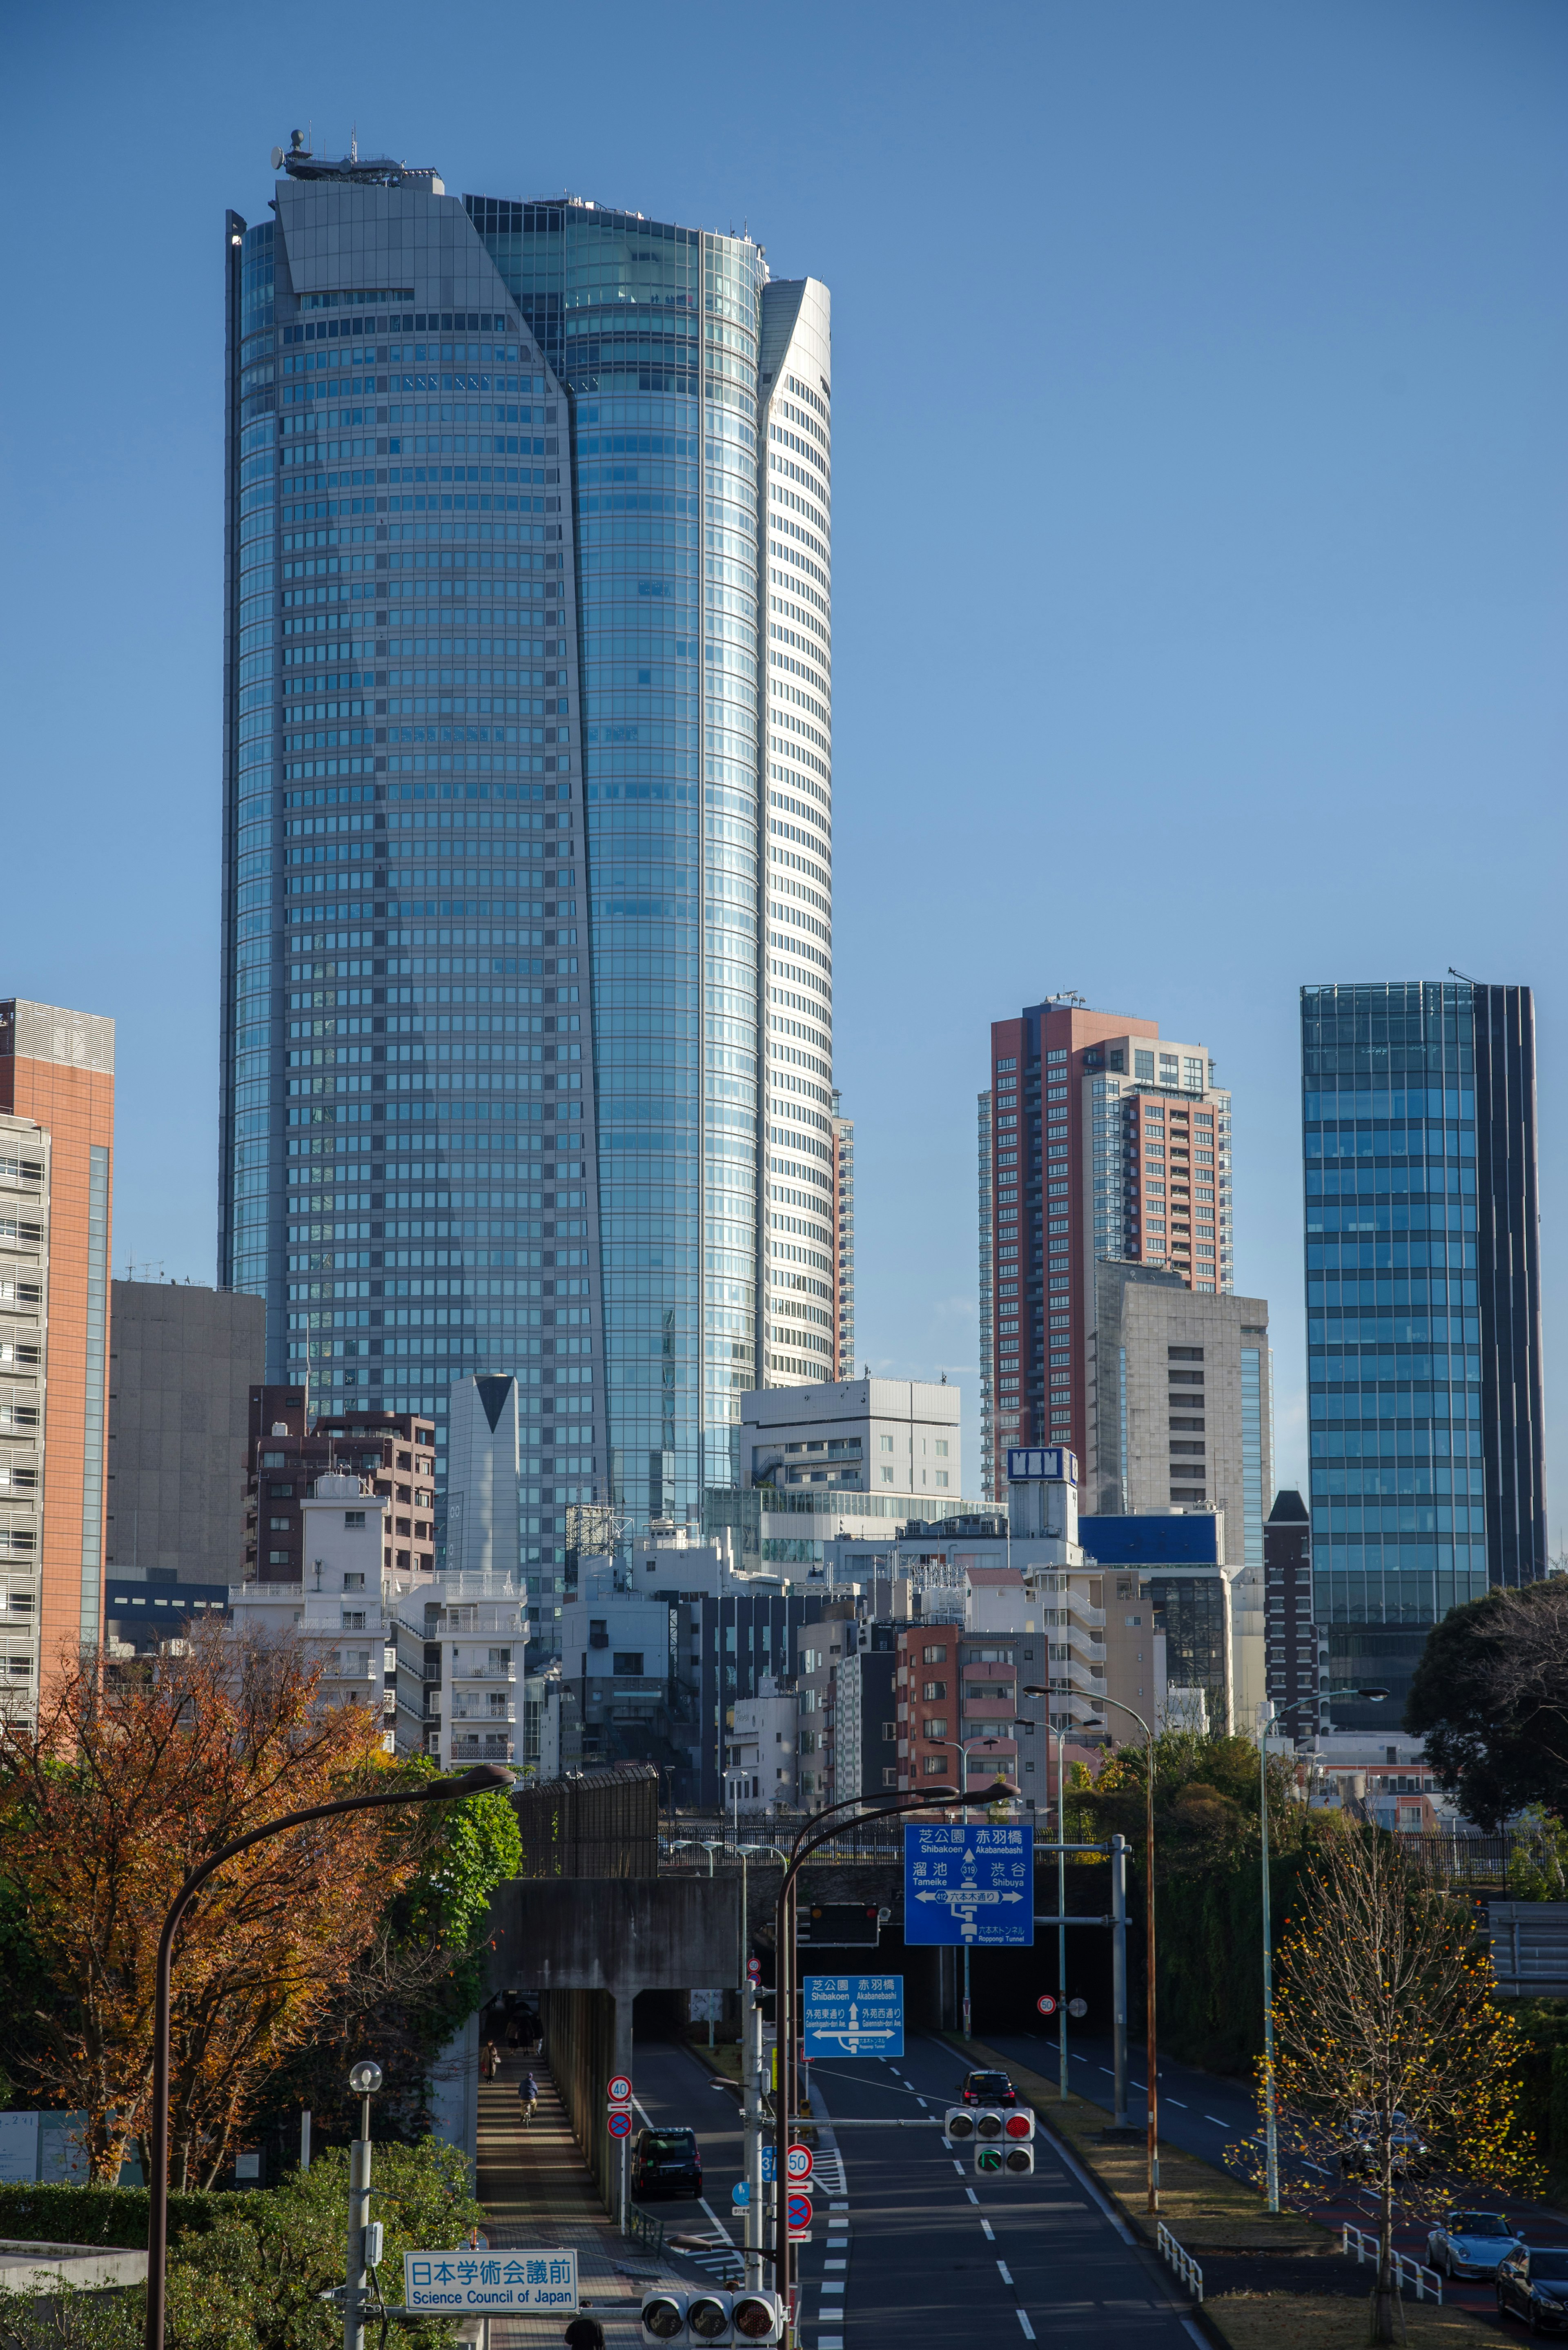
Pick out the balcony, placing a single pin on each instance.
(461, 1712)
(462, 1672)
(493, 1746)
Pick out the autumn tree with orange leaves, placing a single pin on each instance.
(1391, 2061)
(129, 1781)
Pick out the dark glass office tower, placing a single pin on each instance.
(498, 1064)
(1423, 1311)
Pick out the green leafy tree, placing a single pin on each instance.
(1538, 1871)
(1490, 1696)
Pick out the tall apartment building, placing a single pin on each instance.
(528, 817)
(56, 1139)
(183, 1361)
(289, 1451)
(1423, 1295)
(1100, 1140)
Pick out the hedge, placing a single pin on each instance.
(46, 2214)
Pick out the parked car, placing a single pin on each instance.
(988, 2089)
(1532, 2284)
(1471, 2243)
(666, 2162)
(1359, 2152)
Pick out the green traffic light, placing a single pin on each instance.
(988, 2158)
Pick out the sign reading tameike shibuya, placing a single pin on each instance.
(968, 1884)
(527, 2284)
(854, 2015)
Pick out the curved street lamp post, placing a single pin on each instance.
(805, 1843)
(477, 1781)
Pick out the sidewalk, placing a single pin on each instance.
(537, 2193)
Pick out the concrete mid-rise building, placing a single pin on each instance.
(873, 1435)
(1180, 1395)
(182, 1362)
(288, 1450)
(760, 1748)
(56, 1092)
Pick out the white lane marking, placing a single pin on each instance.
(1028, 2329)
(723, 2231)
(921, 2103)
(1175, 2101)
(1188, 2326)
(1217, 2122)
(989, 2231)
(971, 2193)
(958, 2168)
(1005, 2272)
(1106, 2071)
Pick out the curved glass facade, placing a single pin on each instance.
(653, 329)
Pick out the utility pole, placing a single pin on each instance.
(751, 2106)
(364, 2245)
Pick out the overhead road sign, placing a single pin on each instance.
(854, 2015)
(969, 1886)
(538, 2284)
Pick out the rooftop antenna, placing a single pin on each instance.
(1454, 974)
(354, 144)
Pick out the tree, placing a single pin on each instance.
(129, 1781)
(1387, 2047)
(1490, 1696)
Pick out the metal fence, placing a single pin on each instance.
(596, 1823)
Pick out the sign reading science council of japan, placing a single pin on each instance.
(527, 2284)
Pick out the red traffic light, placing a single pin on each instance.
(1019, 2126)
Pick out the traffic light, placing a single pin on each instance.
(957, 2125)
(1001, 2135)
(676, 2320)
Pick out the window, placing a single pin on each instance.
(885, 1443)
(890, 1733)
(627, 1660)
(273, 1460)
(353, 1619)
(941, 1475)
(890, 1775)
(1185, 1354)
(934, 1765)
(887, 1476)
(942, 1449)
(353, 1583)
(353, 1517)
(933, 1656)
(936, 1728)
(934, 1691)
(1007, 1065)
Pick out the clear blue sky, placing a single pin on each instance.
(1200, 376)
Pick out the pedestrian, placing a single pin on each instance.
(585, 2334)
(528, 2097)
(492, 2060)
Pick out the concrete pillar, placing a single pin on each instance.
(623, 1992)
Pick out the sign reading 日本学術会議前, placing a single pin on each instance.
(854, 2015)
(968, 1884)
(527, 2284)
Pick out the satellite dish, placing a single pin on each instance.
(277, 159)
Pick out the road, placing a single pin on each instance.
(918, 2243)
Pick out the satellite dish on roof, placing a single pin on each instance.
(277, 159)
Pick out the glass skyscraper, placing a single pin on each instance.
(528, 952)
(1423, 1311)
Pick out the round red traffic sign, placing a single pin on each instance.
(798, 2207)
(620, 2123)
(617, 2089)
(753, 1970)
(1047, 2004)
(797, 2162)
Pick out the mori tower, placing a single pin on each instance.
(527, 1018)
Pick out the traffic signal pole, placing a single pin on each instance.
(1120, 1981)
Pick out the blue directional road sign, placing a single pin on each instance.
(854, 2015)
(969, 1885)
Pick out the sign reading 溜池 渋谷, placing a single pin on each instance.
(541, 2283)
(854, 2015)
(973, 1884)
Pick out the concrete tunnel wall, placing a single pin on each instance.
(587, 1945)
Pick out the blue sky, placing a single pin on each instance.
(1200, 586)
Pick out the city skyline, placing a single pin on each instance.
(1292, 588)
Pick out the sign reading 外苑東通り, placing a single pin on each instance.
(973, 1884)
(538, 2283)
(854, 2015)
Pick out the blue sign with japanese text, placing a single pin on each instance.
(854, 2015)
(969, 1885)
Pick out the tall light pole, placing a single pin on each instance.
(961, 1746)
(479, 1781)
(1148, 1937)
(1034, 1689)
(805, 1843)
(1266, 1712)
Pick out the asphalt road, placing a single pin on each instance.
(919, 2244)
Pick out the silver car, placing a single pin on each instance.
(1471, 2243)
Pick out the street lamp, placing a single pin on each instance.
(961, 1746)
(805, 1843)
(1036, 1689)
(1148, 1935)
(483, 1777)
(1266, 1712)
